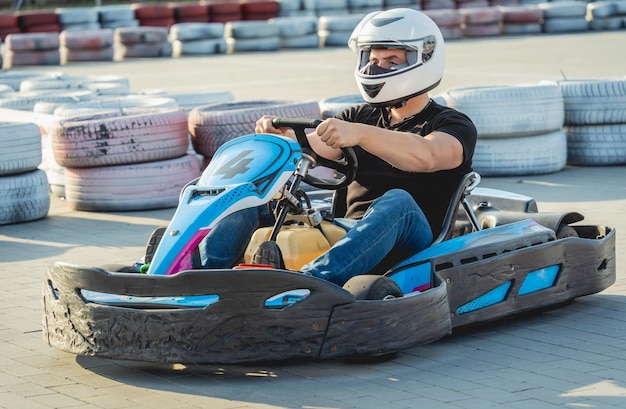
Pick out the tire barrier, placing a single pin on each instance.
(456, 18)
(98, 84)
(526, 155)
(251, 36)
(213, 125)
(335, 30)
(44, 21)
(20, 148)
(117, 16)
(26, 100)
(223, 12)
(606, 15)
(190, 12)
(564, 17)
(24, 197)
(24, 192)
(197, 39)
(519, 127)
(14, 78)
(86, 45)
(520, 20)
(8, 25)
(365, 6)
(329, 107)
(595, 121)
(482, 21)
(78, 19)
(190, 100)
(260, 9)
(25, 49)
(108, 139)
(449, 21)
(154, 14)
(297, 31)
(124, 104)
(130, 187)
(142, 42)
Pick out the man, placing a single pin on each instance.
(412, 152)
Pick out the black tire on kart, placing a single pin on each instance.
(564, 231)
(372, 287)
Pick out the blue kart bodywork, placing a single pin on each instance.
(175, 313)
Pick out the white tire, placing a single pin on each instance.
(131, 187)
(591, 101)
(529, 155)
(20, 147)
(596, 144)
(213, 125)
(115, 139)
(510, 111)
(24, 197)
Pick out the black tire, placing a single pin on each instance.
(372, 287)
(565, 231)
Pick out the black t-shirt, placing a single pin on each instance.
(432, 191)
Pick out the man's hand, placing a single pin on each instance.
(337, 133)
(265, 125)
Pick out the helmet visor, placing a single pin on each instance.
(418, 52)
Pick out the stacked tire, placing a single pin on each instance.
(251, 36)
(141, 42)
(482, 21)
(322, 8)
(29, 49)
(197, 39)
(24, 194)
(124, 161)
(450, 22)
(190, 12)
(8, 25)
(519, 127)
(564, 17)
(335, 30)
(86, 45)
(223, 12)
(520, 20)
(154, 14)
(39, 22)
(78, 19)
(297, 31)
(259, 9)
(116, 17)
(213, 125)
(606, 15)
(595, 121)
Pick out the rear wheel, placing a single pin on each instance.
(373, 287)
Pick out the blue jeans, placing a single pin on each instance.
(393, 228)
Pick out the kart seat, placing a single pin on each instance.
(458, 201)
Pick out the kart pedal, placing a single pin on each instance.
(153, 243)
(268, 253)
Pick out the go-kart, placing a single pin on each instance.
(496, 256)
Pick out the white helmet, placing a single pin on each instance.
(406, 29)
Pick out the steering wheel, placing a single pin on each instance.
(348, 165)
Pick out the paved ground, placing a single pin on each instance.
(572, 356)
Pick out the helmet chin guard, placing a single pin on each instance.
(404, 29)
